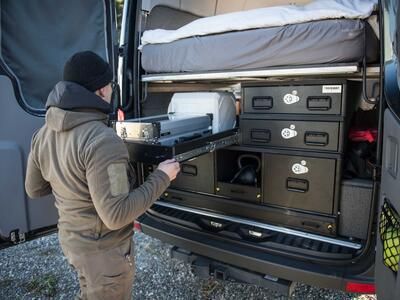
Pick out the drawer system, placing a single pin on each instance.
(286, 168)
(298, 128)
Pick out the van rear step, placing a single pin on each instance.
(204, 268)
(256, 236)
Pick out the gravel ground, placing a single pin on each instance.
(38, 270)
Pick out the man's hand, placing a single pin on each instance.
(170, 167)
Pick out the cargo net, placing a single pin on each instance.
(389, 230)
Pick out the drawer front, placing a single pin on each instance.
(299, 182)
(239, 192)
(196, 175)
(295, 99)
(319, 136)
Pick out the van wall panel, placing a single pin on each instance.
(149, 4)
(212, 7)
(252, 4)
(201, 8)
(228, 6)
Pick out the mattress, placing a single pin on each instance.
(265, 17)
(329, 41)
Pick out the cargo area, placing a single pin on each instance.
(300, 179)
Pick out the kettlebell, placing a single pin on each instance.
(247, 174)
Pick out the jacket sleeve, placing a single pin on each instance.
(35, 185)
(106, 162)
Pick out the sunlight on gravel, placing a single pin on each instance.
(38, 270)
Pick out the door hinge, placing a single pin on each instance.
(17, 237)
(122, 50)
(376, 172)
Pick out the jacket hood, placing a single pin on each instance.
(70, 105)
(58, 119)
(70, 96)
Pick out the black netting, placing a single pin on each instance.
(389, 231)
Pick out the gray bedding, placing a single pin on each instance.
(318, 42)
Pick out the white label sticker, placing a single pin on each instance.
(288, 133)
(300, 168)
(331, 89)
(290, 99)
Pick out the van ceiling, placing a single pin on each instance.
(217, 7)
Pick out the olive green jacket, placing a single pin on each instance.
(85, 165)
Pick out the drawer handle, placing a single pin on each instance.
(313, 138)
(237, 191)
(189, 170)
(260, 135)
(297, 185)
(311, 224)
(319, 103)
(262, 103)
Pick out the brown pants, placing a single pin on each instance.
(104, 275)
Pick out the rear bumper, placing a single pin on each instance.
(232, 253)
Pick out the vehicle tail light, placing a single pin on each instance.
(360, 288)
(137, 226)
(121, 115)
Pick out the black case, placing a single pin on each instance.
(302, 181)
(302, 134)
(314, 97)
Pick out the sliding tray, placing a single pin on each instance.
(156, 153)
(165, 129)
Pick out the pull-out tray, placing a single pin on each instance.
(155, 153)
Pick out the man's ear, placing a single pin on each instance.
(101, 92)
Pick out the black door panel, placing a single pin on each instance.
(390, 191)
(387, 247)
(36, 39)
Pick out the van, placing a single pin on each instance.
(309, 190)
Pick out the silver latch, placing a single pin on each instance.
(123, 133)
(255, 233)
(17, 237)
(215, 224)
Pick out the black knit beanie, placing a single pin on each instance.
(88, 69)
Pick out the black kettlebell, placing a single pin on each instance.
(247, 174)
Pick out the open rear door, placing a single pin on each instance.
(387, 276)
(36, 38)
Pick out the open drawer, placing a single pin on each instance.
(140, 151)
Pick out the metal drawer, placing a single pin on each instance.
(301, 182)
(196, 175)
(310, 135)
(156, 153)
(295, 98)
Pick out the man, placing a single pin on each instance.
(85, 165)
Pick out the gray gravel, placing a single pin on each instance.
(38, 270)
